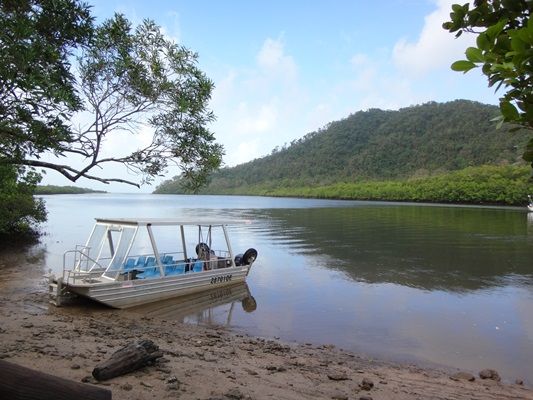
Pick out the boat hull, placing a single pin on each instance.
(130, 293)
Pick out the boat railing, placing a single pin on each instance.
(218, 259)
(81, 259)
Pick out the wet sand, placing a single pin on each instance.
(204, 362)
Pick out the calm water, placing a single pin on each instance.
(432, 284)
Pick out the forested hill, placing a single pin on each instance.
(375, 144)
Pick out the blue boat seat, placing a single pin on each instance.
(129, 264)
(175, 269)
(150, 269)
(197, 266)
(150, 261)
(172, 267)
(168, 259)
(149, 273)
(141, 261)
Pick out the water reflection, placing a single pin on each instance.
(214, 307)
(530, 223)
(432, 248)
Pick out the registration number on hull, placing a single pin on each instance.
(220, 279)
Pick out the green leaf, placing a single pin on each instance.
(509, 111)
(528, 154)
(530, 26)
(463, 65)
(483, 42)
(517, 44)
(457, 8)
(494, 30)
(474, 55)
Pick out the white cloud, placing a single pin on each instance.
(413, 72)
(256, 105)
(174, 32)
(245, 151)
(434, 48)
(366, 73)
(259, 120)
(272, 59)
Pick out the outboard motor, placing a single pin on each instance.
(238, 260)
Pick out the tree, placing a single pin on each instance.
(20, 211)
(504, 52)
(37, 94)
(130, 78)
(126, 79)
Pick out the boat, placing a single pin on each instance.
(530, 205)
(127, 262)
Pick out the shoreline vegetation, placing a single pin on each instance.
(53, 189)
(484, 185)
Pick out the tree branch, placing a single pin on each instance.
(73, 174)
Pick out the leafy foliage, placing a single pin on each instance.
(504, 52)
(20, 211)
(129, 80)
(133, 77)
(417, 141)
(487, 184)
(124, 77)
(37, 94)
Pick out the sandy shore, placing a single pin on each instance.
(203, 362)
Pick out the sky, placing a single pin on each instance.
(282, 69)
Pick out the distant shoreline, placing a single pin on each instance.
(505, 185)
(53, 189)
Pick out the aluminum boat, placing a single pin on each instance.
(128, 262)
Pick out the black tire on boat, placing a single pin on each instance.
(202, 248)
(249, 256)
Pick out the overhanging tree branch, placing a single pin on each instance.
(127, 79)
(73, 174)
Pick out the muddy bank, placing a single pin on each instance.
(207, 363)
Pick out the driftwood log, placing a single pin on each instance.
(21, 383)
(127, 359)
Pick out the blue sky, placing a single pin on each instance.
(286, 68)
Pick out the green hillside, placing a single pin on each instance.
(376, 145)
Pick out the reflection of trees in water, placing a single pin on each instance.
(428, 247)
(530, 223)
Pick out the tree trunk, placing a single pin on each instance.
(127, 359)
(21, 383)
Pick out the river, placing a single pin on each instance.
(431, 284)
